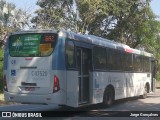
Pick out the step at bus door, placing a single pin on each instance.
(83, 63)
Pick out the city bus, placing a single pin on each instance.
(66, 68)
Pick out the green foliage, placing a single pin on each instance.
(130, 22)
(91, 15)
(51, 14)
(1, 70)
(127, 21)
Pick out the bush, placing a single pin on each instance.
(1, 70)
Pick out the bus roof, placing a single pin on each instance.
(35, 31)
(106, 43)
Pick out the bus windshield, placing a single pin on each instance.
(32, 44)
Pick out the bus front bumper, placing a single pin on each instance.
(32, 98)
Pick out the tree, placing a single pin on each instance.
(11, 19)
(68, 14)
(131, 22)
(134, 24)
(50, 14)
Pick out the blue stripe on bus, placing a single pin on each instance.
(58, 61)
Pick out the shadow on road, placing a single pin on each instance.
(95, 106)
(120, 108)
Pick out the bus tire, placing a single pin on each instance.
(144, 92)
(108, 97)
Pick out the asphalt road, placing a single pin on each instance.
(121, 109)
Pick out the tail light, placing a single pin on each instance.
(56, 86)
(5, 83)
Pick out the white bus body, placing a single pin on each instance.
(48, 78)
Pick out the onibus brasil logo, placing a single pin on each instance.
(18, 114)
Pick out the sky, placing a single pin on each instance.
(27, 5)
(155, 5)
(30, 5)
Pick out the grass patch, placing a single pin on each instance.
(2, 102)
(1, 97)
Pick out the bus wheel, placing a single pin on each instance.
(108, 98)
(144, 92)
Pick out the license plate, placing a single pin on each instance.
(29, 89)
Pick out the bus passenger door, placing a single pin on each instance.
(83, 63)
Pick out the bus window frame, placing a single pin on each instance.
(56, 41)
(74, 55)
(93, 67)
(146, 58)
(113, 51)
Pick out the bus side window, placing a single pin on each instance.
(137, 63)
(129, 66)
(117, 60)
(99, 58)
(114, 59)
(70, 59)
(123, 59)
(110, 59)
(146, 64)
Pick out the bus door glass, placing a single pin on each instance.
(83, 63)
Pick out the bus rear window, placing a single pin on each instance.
(32, 45)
